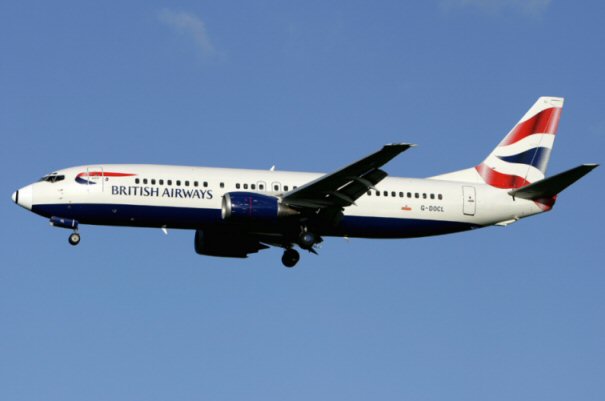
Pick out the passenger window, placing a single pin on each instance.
(161, 182)
(252, 186)
(205, 184)
(393, 194)
(432, 196)
(416, 195)
(237, 186)
(401, 194)
(261, 187)
(409, 194)
(222, 185)
(377, 193)
(136, 181)
(145, 181)
(440, 196)
(186, 183)
(245, 186)
(153, 181)
(178, 183)
(169, 182)
(195, 183)
(285, 188)
(424, 196)
(276, 187)
(386, 193)
(369, 193)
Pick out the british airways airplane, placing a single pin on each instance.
(237, 212)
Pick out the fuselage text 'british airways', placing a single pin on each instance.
(161, 192)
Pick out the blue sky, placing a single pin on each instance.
(131, 314)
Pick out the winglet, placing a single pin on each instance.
(551, 186)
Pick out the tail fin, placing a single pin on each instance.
(522, 156)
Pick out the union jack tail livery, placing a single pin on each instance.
(522, 156)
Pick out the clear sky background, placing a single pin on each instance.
(131, 314)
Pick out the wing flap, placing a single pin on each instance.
(343, 187)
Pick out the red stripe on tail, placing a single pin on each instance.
(500, 180)
(545, 122)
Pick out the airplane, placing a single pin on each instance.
(238, 212)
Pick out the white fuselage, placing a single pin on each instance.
(191, 197)
(238, 212)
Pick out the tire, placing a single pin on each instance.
(307, 240)
(74, 239)
(290, 258)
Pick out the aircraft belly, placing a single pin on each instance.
(132, 215)
(388, 227)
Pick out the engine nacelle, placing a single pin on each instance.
(248, 206)
(225, 244)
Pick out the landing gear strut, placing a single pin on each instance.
(290, 258)
(74, 238)
(307, 240)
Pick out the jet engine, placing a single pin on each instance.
(226, 244)
(250, 206)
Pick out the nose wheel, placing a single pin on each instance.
(74, 239)
(290, 258)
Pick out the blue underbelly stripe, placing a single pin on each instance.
(193, 218)
(132, 215)
(385, 227)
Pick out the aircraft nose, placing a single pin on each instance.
(24, 197)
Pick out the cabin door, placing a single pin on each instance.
(469, 201)
(95, 178)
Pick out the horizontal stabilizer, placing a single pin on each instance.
(551, 186)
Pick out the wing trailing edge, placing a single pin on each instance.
(343, 187)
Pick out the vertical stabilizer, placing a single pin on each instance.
(522, 156)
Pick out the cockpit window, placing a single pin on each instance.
(52, 178)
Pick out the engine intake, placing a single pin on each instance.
(253, 206)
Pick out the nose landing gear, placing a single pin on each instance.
(74, 237)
